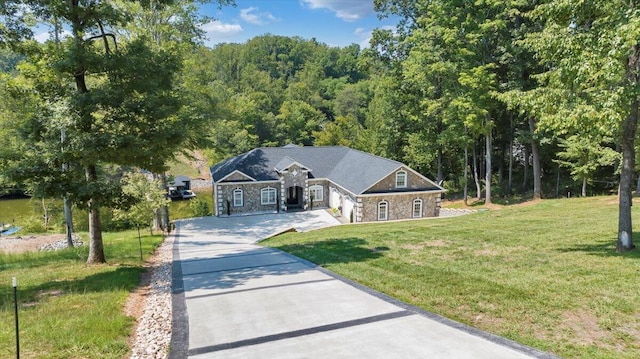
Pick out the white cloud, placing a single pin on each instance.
(43, 36)
(347, 10)
(218, 32)
(251, 16)
(218, 27)
(364, 36)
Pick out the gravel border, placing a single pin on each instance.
(153, 334)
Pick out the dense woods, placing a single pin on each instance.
(491, 98)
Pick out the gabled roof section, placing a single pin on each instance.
(249, 178)
(406, 168)
(287, 162)
(355, 171)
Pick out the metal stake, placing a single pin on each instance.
(140, 243)
(15, 302)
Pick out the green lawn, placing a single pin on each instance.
(15, 211)
(543, 274)
(68, 309)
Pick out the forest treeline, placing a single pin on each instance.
(490, 98)
(416, 106)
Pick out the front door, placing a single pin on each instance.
(294, 197)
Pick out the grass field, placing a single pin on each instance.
(68, 309)
(544, 274)
(15, 210)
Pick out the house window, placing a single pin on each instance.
(317, 193)
(268, 196)
(417, 208)
(238, 198)
(401, 179)
(383, 211)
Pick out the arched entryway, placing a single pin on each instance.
(295, 197)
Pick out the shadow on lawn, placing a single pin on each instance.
(33, 259)
(123, 277)
(333, 251)
(605, 248)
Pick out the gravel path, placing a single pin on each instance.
(153, 334)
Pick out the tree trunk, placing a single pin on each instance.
(525, 180)
(487, 199)
(466, 174)
(625, 228)
(165, 209)
(584, 187)
(96, 247)
(558, 184)
(68, 221)
(440, 174)
(638, 185)
(45, 215)
(537, 173)
(510, 179)
(476, 178)
(629, 127)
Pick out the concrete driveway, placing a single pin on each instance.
(235, 299)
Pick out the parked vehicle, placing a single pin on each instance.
(187, 194)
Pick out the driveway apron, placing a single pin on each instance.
(235, 299)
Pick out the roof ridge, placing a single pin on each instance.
(374, 155)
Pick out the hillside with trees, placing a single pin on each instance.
(492, 98)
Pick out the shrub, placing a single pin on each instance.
(199, 208)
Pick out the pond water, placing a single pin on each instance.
(14, 210)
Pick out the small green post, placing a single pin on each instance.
(15, 305)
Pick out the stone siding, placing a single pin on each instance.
(399, 206)
(251, 198)
(237, 177)
(288, 179)
(389, 183)
(325, 193)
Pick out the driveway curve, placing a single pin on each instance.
(235, 299)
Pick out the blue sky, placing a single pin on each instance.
(333, 22)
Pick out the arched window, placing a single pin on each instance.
(383, 211)
(268, 196)
(238, 198)
(317, 193)
(417, 208)
(401, 179)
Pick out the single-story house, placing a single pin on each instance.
(181, 182)
(358, 185)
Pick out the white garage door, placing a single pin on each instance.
(334, 198)
(348, 207)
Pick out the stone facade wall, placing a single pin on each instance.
(295, 177)
(399, 206)
(237, 177)
(251, 198)
(325, 193)
(389, 183)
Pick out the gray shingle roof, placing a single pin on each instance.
(353, 170)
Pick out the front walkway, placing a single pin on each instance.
(235, 299)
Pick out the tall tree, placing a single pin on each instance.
(583, 155)
(124, 103)
(592, 52)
